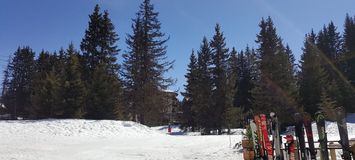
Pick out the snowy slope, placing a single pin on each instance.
(106, 140)
(76, 128)
(118, 140)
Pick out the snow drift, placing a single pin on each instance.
(75, 128)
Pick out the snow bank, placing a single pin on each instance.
(75, 128)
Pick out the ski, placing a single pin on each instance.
(307, 120)
(290, 147)
(255, 139)
(267, 143)
(320, 120)
(299, 130)
(343, 131)
(275, 129)
(260, 136)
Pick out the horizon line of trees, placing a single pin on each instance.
(223, 87)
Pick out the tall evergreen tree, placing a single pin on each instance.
(190, 94)
(232, 114)
(145, 65)
(220, 56)
(20, 70)
(99, 57)
(349, 61)
(204, 108)
(273, 92)
(73, 94)
(247, 72)
(312, 77)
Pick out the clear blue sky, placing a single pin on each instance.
(49, 24)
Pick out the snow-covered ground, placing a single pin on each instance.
(118, 140)
(107, 140)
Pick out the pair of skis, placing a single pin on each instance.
(305, 122)
(263, 147)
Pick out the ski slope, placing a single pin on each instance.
(107, 140)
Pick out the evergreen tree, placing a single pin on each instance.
(99, 59)
(145, 65)
(202, 102)
(247, 72)
(190, 94)
(232, 114)
(5, 94)
(74, 92)
(328, 43)
(274, 91)
(46, 96)
(220, 55)
(349, 47)
(349, 62)
(312, 77)
(19, 91)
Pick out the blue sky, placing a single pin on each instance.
(49, 24)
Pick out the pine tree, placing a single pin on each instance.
(232, 114)
(99, 59)
(74, 92)
(312, 77)
(220, 55)
(190, 94)
(204, 108)
(274, 91)
(145, 65)
(46, 96)
(5, 94)
(19, 91)
(349, 62)
(247, 73)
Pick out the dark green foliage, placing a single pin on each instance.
(46, 87)
(73, 88)
(275, 89)
(247, 74)
(19, 82)
(104, 102)
(219, 55)
(145, 65)
(312, 77)
(203, 107)
(189, 101)
(103, 86)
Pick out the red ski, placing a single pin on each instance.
(290, 147)
(260, 135)
(267, 144)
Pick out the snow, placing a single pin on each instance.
(107, 140)
(74, 139)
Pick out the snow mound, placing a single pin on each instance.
(75, 128)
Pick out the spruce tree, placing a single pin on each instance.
(247, 72)
(220, 55)
(204, 109)
(73, 92)
(20, 85)
(312, 77)
(144, 66)
(99, 59)
(274, 91)
(190, 94)
(348, 62)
